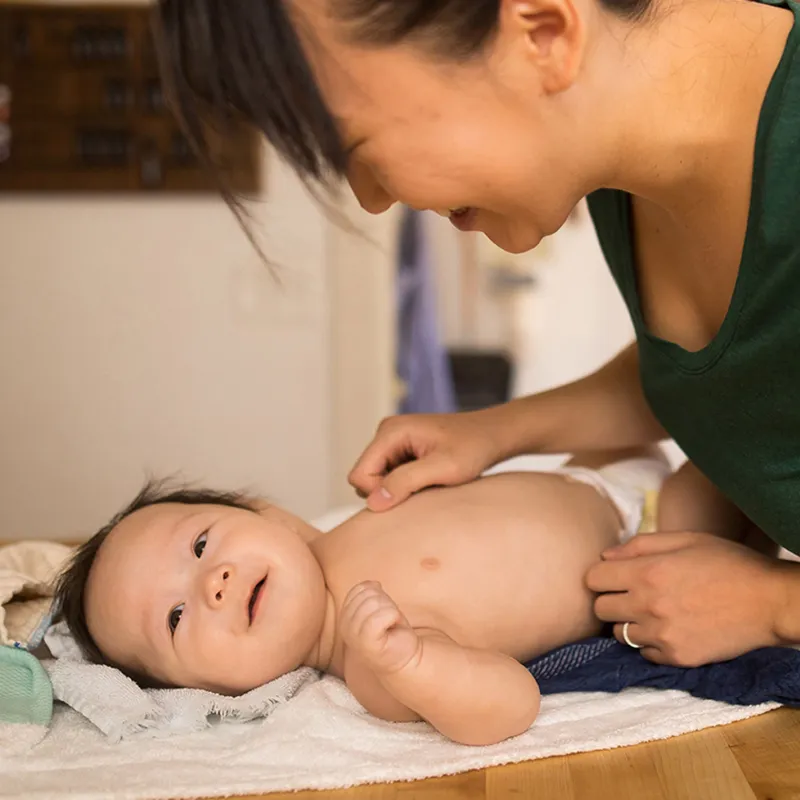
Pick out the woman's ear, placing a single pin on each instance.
(549, 34)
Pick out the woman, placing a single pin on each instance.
(680, 120)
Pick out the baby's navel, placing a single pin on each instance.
(430, 563)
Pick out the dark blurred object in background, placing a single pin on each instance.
(482, 378)
(89, 113)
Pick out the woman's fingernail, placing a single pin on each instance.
(378, 499)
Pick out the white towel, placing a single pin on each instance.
(322, 739)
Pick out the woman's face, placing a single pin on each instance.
(496, 134)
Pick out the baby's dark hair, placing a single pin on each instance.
(71, 584)
(222, 60)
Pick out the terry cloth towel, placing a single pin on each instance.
(771, 674)
(121, 709)
(323, 739)
(26, 701)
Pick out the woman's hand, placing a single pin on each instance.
(691, 598)
(413, 452)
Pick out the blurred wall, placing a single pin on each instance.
(145, 336)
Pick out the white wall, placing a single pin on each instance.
(575, 319)
(361, 279)
(569, 323)
(144, 335)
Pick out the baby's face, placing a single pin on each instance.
(207, 596)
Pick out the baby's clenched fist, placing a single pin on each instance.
(373, 626)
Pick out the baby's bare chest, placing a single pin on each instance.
(501, 569)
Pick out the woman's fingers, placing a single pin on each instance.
(389, 447)
(402, 482)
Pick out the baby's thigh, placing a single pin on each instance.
(689, 501)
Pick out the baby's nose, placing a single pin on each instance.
(217, 583)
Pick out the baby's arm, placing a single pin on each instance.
(398, 673)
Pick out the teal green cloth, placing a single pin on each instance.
(26, 694)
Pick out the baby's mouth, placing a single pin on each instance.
(254, 596)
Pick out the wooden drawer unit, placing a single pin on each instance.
(87, 111)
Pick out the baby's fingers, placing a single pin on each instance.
(363, 602)
(360, 599)
(374, 627)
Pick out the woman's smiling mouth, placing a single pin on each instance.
(464, 218)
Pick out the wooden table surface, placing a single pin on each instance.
(755, 759)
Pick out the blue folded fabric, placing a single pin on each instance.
(602, 664)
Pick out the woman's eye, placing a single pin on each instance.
(175, 618)
(200, 544)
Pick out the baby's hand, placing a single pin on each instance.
(373, 626)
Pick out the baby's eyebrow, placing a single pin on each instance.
(183, 530)
(187, 521)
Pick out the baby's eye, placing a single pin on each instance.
(200, 544)
(175, 618)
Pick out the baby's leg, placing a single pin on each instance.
(690, 502)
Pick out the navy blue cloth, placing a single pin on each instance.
(602, 664)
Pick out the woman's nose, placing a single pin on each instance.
(369, 191)
(216, 584)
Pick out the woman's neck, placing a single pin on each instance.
(688, 93)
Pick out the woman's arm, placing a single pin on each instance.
(606, 410)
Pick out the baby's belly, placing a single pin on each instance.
(499, 564)
(522, 606)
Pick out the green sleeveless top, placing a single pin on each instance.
(734, 406)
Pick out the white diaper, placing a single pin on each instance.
(630, 485)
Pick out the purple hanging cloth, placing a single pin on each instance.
(422, 362)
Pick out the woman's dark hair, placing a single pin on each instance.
(221, 60)
(70, 588)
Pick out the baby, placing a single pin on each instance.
(427, 611)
